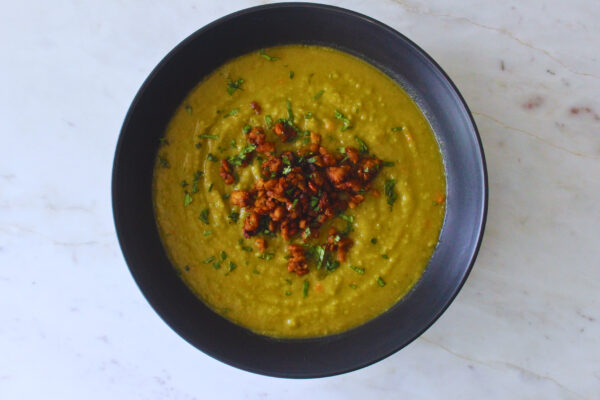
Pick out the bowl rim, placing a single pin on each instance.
(482, 212)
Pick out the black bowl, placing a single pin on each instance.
(250, 30)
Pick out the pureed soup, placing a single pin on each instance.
(299, 191)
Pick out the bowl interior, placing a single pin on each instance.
(250, 30)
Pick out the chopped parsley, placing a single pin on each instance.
(338, 115)
(232, 86)
(380, 281)
(246, 129)
(223, 255)
(267, 57)
(308, 115)
(234, 217)
(210, 187)
(287, 170)
(358, 270)
(217, 265)
(319, 94)
(353, 286)
(385, 256)
(232, 112)
(268, 121)
(267, 256)
(207, 136)
(331, 265)
(362, 146)
(187, 199)
(305, 289)
(187, 267)
(255, 271)
(204, 216)
(207, 233)
(349, 221)
(232, 266)
(211, 157)
(238, 159)
(387, 163)
(389, 191)
(288, 293)
(188, 109)
(291, 74)
(289, 110)
(209, 260)
(374, 240)
(247, 248)
(397, 128)
(164, 163)
(183, 183)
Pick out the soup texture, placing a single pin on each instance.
(336, 116)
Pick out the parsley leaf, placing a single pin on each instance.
(188, 199)
(338, 115)
(390, 192)
(362, 146)
(319, 94)
(204, 216)
(232, 86)
(264, 55)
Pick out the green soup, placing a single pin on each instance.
(202, 232)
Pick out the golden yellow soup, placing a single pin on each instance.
(202, 233)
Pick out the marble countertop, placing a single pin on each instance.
(526, 325)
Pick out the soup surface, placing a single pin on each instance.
(392, 227)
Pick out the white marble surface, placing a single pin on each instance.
(526, 325)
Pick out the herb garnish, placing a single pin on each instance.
(264, 55)
(183, 183)
(240, 158)
(207, 136)
(232, 112)
(188, 199)
(209, 260)
(269, 121)
(385, 256)
(305, 289)
(207, 233)
(349, 221)
(210, 187)
(290, 112)
(288, 293)
(319, 94)
(358, 270)
(387, 163)
(211, 157)
(234, 216)
(380, 281)
(374, 240)
(267, 256)
(343, 118)
(204, 216)
(164, 163)
(223, 255)
(232, 266)
(308, 115)
(362, 146)
(246, 129)
(397, 128)
(353, 286)
(232, 86)
(187, 267)
(291, 74)
(188, 109)
(390, 192)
